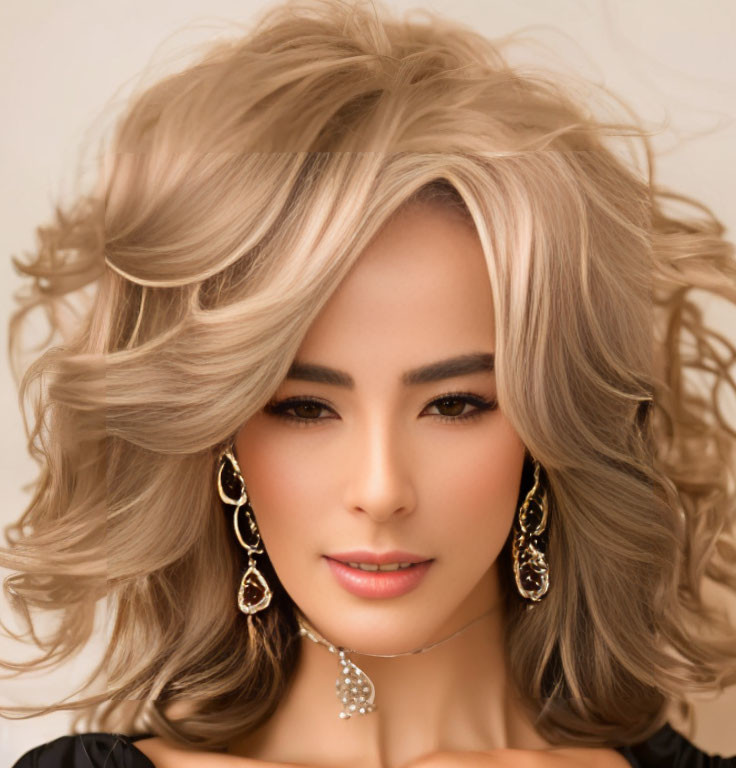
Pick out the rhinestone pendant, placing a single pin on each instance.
(354, 689)
(254, 594)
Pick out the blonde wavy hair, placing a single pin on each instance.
(235, 197)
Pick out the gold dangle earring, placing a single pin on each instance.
(528, 547)
(254, 594)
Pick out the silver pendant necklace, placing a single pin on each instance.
(354, 689)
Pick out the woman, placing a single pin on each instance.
(369, 300)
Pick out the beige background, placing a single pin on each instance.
(67, 68)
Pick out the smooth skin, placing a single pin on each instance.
(433, 468)
(163, 755)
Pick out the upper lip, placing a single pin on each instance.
(365, 556)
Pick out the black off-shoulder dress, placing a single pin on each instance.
(665, 749)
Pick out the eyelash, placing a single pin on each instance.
(280, 408)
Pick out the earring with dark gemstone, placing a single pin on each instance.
(254, 594)
(529, 544)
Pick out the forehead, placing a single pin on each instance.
(419, 290)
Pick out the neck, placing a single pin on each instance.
(454, 696)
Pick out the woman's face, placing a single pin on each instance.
(376, 460)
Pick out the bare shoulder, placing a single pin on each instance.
(163, 754)
(594, 757)
(565, 757)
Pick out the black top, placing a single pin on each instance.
(665, 749)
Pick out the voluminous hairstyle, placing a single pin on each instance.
(234, 198)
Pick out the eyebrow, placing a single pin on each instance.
(461, 365)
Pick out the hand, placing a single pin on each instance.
(557, 757)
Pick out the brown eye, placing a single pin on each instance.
(451, 406)
(298, 411)
(307, 410)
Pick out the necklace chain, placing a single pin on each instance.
(314, 636)
(354, 688)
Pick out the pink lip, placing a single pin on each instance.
(375, 583)
(366, 556)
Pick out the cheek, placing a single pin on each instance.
(474, 487)
(282, 483)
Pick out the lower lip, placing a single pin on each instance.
(378, 583)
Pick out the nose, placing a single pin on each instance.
(379, 481)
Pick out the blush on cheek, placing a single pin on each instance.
(477, 491)
(286, 489)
